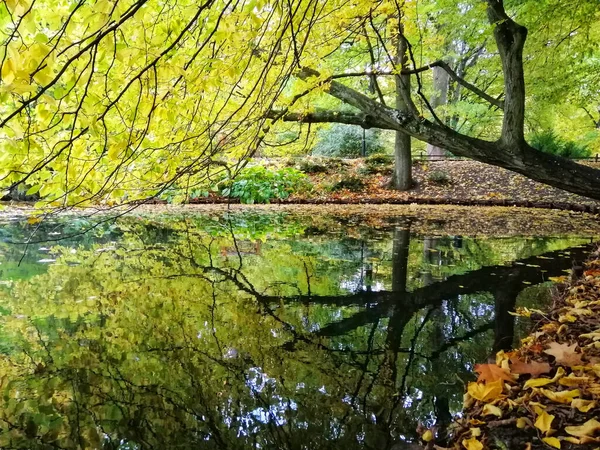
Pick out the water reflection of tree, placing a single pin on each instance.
(177, 345)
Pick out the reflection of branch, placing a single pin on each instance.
(456, 340)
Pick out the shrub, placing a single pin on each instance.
(549, 142)
(379, 163)
(351, 183)
(345, 141)
(310, 166)
(260, 185)
(439, 177)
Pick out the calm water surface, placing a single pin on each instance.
(252, 330)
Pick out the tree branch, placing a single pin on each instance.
(441, 64)
(362, 120)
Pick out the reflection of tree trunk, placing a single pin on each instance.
(505, 298)
(401, 313)
(400, 316)
(443, 418)
(439, 98)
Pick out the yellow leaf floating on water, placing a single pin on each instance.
(492, 410)
(552, 442)
(472, 444)
(587, 429)
(561, 397)
(544, 422)
(583, 405)
(485, 392)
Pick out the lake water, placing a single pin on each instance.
(254, 330)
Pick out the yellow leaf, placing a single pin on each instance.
(485, 392)
(587, 429)
(561, 397)
(472, 444)
(523, 422)
(583, 405)
(572, 440)
(538, 382)
(544, 422)
(475, 432)
(573, 380)
(490, 409)
(427, 436)
(552, 442)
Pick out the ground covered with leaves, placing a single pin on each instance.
(367, 180)
(546, 394)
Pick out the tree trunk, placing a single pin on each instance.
(441, 81)
(402, 179)
(511, 151)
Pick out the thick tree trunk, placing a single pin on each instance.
(441, 81)
(402, 179)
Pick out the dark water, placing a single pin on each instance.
(252, 331)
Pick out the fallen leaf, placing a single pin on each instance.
(552, 442)
(491, 372)
(544, 422)
(583, 405)
(539, 382)
(564, 354)
(492, 410)
(533, 368)
(587, 429)
(427, 436)
(565, 397)
(472, 444)
(485, 392)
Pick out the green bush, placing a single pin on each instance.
(345, 141)
(439, 177)
(260, 185)
(379, 163)
(310, 166)
(550, 142)
(351, 183)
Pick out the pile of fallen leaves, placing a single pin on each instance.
(547, 393)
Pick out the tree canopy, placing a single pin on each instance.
(116, 100)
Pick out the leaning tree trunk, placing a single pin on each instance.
(439, 98)
(402, 179)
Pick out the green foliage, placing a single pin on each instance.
(379, 163)
(351, 183)
(439, 177)
(346, 141)
(311, 166)
(258, 184)
(549, 142)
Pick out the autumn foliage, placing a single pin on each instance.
(546, 394)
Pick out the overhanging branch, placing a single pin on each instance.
(362, 120)
(441, 64)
